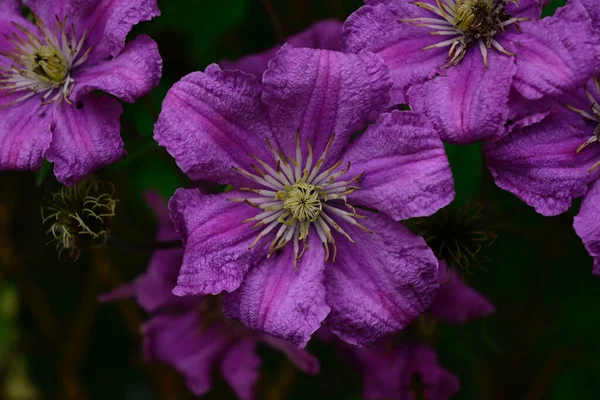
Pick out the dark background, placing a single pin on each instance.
(57, 342)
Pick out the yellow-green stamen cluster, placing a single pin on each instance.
(469, 22)
(297, 195)
(42, 64)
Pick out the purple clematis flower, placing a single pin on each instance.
(325, 35)
(457, 60)
(48, 71)
(457, 302)
(551, 157)
(289, 245)
(190, 333)
(409, 369)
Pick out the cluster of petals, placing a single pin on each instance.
(398, 368)
(468, 100)
(551, 153)
(365, 280)
(190, 333)
(48, 71)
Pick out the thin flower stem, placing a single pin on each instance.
(274, 21)
(114, 242)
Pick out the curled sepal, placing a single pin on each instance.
(78, 216)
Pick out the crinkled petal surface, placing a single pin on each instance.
(587, 224)
(540, 164)
(556, 54)
(179, 341)
(276, 300)
(108, 21)
(240, 367)
(593, 9)
(527, 8)
(469, 102)
(375, 27)
(25, 134)
(216, 241)
(379, 284)
(85, 137)
(129, 76)
(324, 35)
(320, 93)
(10, 8)
(155, 287)
(392, 374)
(406, 171)
(213, 120)
(302, 358)
(456, 301)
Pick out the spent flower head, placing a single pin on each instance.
(458, 234)
(78, 216)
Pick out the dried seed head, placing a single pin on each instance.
(458, 235)
(78, 216)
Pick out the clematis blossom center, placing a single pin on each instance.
(593, 115)
(295, 195)
(43, 63)
(470, 22)
(302, 201)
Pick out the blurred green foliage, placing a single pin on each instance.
(541, 343)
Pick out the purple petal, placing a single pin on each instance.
(320, 93)
(153, 289)
(587, 224)
(302, 358)
(324, 35)
(457, 302)
(380, 284)
(85, 138)
(276, 300)
(129, 76)
(24, 134)
(527, 8)
(179, 340)
(213, 120)
(398, 373)
(593, 9)
(540, 164)
(376, 27)
(10, 8)
(469, 102)
(556, 54)
(524, 112)
(216, 241)
(406, 171)
(240, 367)
(108, 21)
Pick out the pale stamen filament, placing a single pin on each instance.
(470, 22)
(295, 195)
(594, 116)
(43, 65)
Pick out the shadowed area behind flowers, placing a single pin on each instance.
(58, 342)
